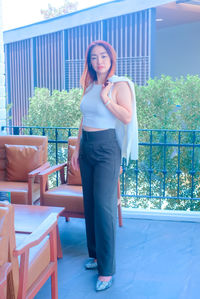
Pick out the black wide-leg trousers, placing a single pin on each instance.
(99, 160)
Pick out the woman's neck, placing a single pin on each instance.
(101, 79)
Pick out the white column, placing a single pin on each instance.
(2, 72)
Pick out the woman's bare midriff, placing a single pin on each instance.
(89, 129)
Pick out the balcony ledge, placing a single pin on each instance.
(165, 215)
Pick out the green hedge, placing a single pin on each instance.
(161, 104)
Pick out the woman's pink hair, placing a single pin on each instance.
(89, 74)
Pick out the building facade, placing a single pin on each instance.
(148, 37)
(2, 76)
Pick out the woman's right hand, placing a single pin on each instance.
(75, 160)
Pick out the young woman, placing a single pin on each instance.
(106, 107)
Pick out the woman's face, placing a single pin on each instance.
(100, 60)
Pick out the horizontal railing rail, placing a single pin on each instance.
(166, 176)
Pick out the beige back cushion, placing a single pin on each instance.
(73, 176)
(20, 160)
(21, 140)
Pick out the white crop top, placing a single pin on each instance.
(95, 114)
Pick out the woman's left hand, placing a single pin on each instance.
(105, 91)
(121, 106)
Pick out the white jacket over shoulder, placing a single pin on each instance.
(127, 135)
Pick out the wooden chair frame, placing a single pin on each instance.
(31, 178)
(26, 140)
(4, 271)
(47, 227)
(19, 282)
(61, 168)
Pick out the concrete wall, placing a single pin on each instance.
(2, 78)
(177, 50)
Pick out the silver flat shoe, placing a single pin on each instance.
(103, 285)
(91, 264)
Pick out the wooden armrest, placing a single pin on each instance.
(52, 169)
(38, 235)
(38, 170)
(4, 270)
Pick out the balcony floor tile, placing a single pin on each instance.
(155, 260)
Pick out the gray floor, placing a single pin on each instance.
(155, 260)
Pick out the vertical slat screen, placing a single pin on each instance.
(49, 61)
(78, 40)
(129, 35)
(20, 82)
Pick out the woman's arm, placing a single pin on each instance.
(74, 160)
(122, 107)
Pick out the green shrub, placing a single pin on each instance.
(59, 109)
(161, 104)
(174, 105)
(167, 104)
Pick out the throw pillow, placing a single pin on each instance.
(20, 160)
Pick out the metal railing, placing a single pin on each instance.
(166, 176)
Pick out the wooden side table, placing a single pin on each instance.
(28, 218)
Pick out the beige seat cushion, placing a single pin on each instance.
(39, 257)
(20, 160)
(68, 196)
(19, 191)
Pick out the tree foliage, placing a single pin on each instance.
(167, 104)
(51, 12)
(59, 109)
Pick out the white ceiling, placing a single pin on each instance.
(174, 14)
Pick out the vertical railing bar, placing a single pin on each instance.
(192, 172)
(164, 162)
(136, 177)
(56, 135)
(123, 176)
(150, 163)
(178, 170)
